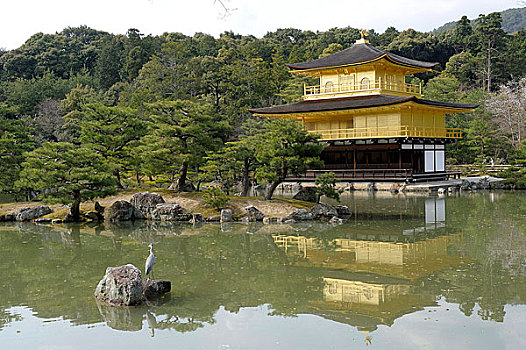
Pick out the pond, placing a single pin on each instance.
(406, 272)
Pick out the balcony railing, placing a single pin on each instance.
(333, 89)
(387, 132)
(371, 174)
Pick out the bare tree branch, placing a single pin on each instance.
(227, 11)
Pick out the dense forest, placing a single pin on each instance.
(83, 112)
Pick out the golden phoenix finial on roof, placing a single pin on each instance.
(363, 33)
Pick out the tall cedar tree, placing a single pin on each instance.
(65, 173)
(491, 39)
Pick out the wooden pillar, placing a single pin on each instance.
(400, 157)
(354, 162)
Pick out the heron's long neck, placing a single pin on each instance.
(151, 250)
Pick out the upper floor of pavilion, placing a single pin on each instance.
(359, 70)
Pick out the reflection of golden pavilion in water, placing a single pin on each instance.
(402, 260)
(370, 282)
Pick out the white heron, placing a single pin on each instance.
(150, 261)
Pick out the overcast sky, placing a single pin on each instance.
(19, 19)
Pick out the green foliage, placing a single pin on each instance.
(332, 48)
(26, 95)
(215, 198)
(53, 75)
(285, 148)
(464, 68)
(64, 54)
(65, 173)
(109, 63)
(15, 140)
(236, 160)
(112, 132)
(180, 134)
(326, 186)
(442, 88)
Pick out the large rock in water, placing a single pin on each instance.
(307, 194)
(121, 286)
(154, 288)
(120, 211)
(323, 212)
(26, 214)
(146, 203)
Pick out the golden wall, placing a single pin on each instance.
(377, 122)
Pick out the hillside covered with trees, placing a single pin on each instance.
(125, 109)
(513, 20)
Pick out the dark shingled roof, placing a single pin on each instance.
(335, 104)
(356, 54)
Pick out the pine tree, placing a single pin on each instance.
(285, 148)
(180, 134)
(65, 173)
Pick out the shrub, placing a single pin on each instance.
(326, 186)
(214, 197)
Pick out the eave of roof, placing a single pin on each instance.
(355, 102)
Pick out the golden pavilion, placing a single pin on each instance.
(375, 125)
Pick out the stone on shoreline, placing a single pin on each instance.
(99, 208)
(7, 217)
(94, 216)
(196, 218)
(307, 194)
(146, 203)
(226, 215)
(323, 212)
(170, 212)
(43, 221)
(343, 211)
(254, 214)
(271, 220)
(299, 215)
(336, 220)
(120, 211)
(215, 218)
(27, 214)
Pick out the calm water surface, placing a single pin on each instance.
(406, 272)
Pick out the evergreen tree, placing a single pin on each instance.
(181, 132)
(285, 149)
(112, 132)
(236, 161)
(109, 62)
(15, 140)
(491, 43)
(65, 173)
(462, 34)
